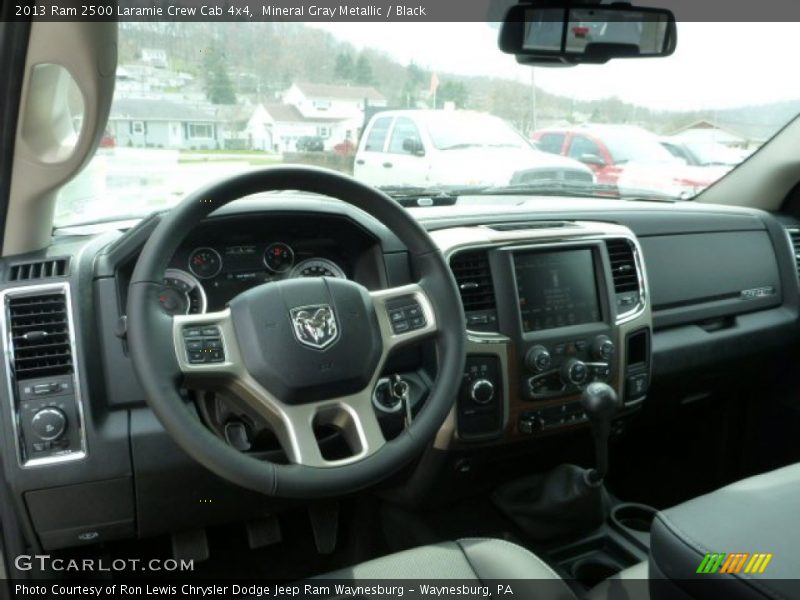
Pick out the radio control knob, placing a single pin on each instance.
(481, 391)
(603, 348)
(49, 424)
(538, 359)
(574, 371)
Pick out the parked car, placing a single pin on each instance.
(704, 154)
(310, 143)
(442, 148)
(629, 157)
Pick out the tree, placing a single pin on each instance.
(344, 68)
(363, 74)
(452, 91)
(218, 84)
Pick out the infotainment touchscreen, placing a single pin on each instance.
(556, 289)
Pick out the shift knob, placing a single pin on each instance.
(600, 402)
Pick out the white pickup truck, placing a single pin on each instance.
(454, 148)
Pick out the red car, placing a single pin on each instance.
(627, 156)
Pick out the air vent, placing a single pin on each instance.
(794, 238)
(42, 269)
(623, 266)
(39, 330)
(474, 279)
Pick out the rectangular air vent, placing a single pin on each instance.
(474, 279)
(41, 269)
(40, 335)
(623, 266)
(794, 239)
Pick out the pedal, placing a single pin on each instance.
(325, 524)
(190, 545)
(263, 532)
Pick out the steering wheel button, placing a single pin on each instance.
(216, 356)
(400, 326)
(197, 357)
(194, 345)
(210, 331)
(417, 322)
(212, 344)
(192, 332)
(397, 315)
(414, 311)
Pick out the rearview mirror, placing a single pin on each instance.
(558, 33)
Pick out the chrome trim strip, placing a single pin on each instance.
(8, 353)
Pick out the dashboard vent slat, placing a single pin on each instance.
(39, 330)
(623, 266)
(794, 238)
(42, 269)
(474, 278)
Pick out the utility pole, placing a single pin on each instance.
(533, 101)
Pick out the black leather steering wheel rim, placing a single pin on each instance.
(153, 353)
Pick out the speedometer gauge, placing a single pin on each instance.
(181, 294)
(317, 267)
(205, 262)
(279, 257)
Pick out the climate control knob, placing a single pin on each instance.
(574, 371)
(603, 348)
(481, 391)
(538, 359)
(49, 424)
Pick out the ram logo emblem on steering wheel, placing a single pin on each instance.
(315, 325)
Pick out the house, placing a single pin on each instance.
(708, 131)
(151, 123)
(337, 111)
(245, 127)
(287, 125)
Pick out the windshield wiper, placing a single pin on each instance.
(411, 195)
(583, 189)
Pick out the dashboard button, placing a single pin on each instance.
(216, 356)
(210, 331)
(48, 424)
(192, 332)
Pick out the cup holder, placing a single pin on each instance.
(634, 517)
(591, 571)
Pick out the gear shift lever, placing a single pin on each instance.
(600, 402)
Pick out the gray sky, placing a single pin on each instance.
(716, 65)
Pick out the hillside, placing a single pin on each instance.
(261, 60)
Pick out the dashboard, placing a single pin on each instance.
(556, 294)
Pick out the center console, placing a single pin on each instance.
(549, 310)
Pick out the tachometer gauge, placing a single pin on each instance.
(205, 262)
(279, 257)
(317, 267)
(182, 294)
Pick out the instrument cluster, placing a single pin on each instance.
(207, 277)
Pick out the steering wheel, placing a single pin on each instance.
(300, 352)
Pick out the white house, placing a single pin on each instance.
(149, 123)
(333, 112)
(246, 127)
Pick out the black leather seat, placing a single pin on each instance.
(474, 559)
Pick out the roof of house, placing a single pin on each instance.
(141, 109)
(288, 113)
(348, 92)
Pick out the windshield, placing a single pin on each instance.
(452, 131)
(196, 102)
(635, 146)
